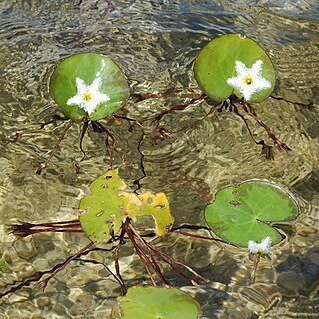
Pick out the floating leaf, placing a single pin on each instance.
(216, 63)
(242, 213)
(111, 202)
(158, 207)
(89, 86)
(156, 303)
(103, 208)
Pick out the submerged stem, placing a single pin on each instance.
(198, 236)
(252, 112)
(110, 141)
(53, 271)
(83, 131)
(43, 166)
(152, 252)
(308, 106)
(116, 258)
(146, 255)
(180, 107)
(83, 251)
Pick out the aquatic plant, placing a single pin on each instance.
(234, 65)
(241, 215)
(102, 217)
(249, 215)
(234, 73)
(156, 302)
(107, 215)
(245, 213)
(88, 87)
(262, 248)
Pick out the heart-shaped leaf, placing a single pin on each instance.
(88, 86)
(242, 213)
(111, 202)
(234, 64)
(156, 303)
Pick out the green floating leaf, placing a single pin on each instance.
(88, 86)
(242, 213)
(111, 202)
(103, 208)
(239, 58)
(156, 303)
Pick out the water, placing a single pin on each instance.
(155, 43)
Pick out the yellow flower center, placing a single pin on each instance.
(87, 96)
(248, 80)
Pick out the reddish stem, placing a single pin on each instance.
(252, 112)
(198, 236)
(147, 257)
(180, 107)
(38, 275)
(83, 251)
(153, 251)
(43, 166)
(308, 106)
(26, 229)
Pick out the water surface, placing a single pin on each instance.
(155, 43)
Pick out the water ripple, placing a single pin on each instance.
(155, 43)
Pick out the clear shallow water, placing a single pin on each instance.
(155, 43)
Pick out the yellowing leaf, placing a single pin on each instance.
(103, 208)
(158, 207)
(111, 202)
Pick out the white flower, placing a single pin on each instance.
(249, 80)
(262, 248)
(88, 97)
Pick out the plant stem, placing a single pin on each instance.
(26, 229)
(43, 166)
(83, 251)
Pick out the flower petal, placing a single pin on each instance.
(93, 89)
(248, 91)
(256, 68)
(257, 83)
(80, 85)
(261, 83)
(241, 69)
(235, 82)
(76, 99)
(95, 86)
(98, 98)
(263, 248)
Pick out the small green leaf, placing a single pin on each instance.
(88, 86)
(3, 266)
(156, 303)
(216, 64)
(111, 202)
(242, 213)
